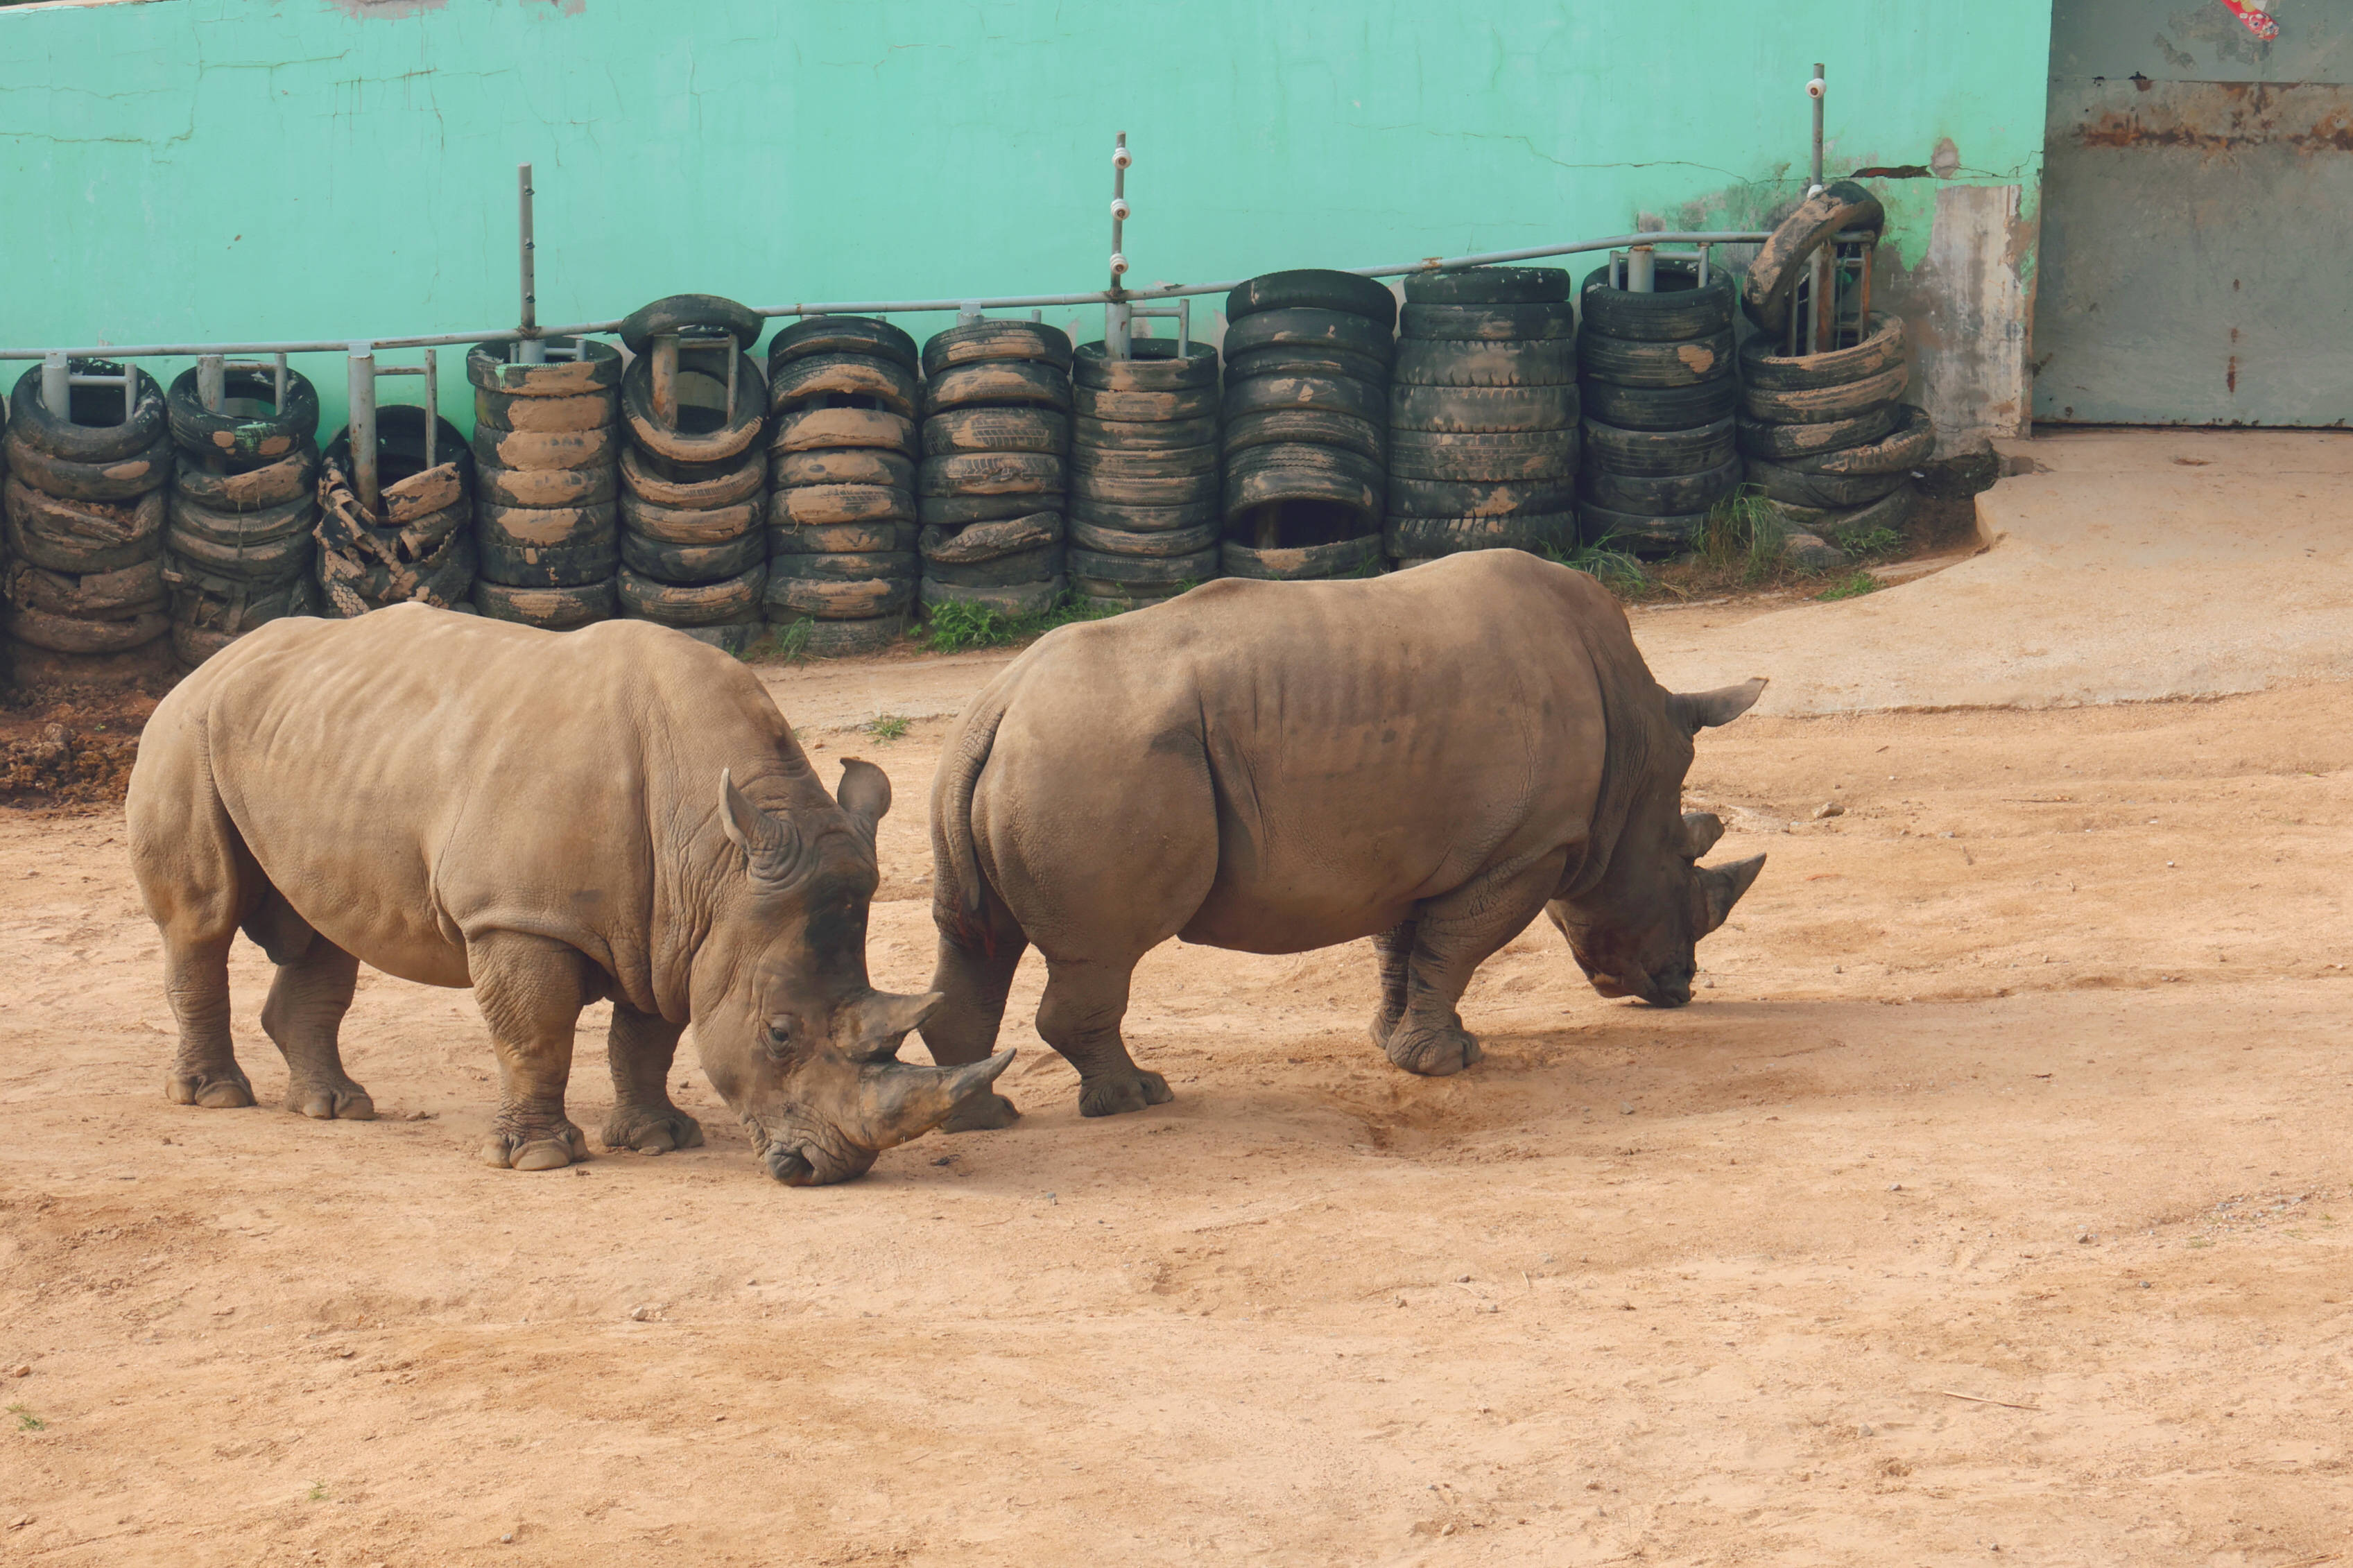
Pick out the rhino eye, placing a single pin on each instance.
(779, 1037)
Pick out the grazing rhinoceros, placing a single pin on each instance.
(615, 812)
(1427, 759)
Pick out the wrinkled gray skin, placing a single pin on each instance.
(1428, 759)
(550, 819)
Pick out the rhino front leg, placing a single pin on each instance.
(1080, 1017)
(1393, 951)
(304, 1014)
(975, 974)
(1450, 938)
(641, 1047)
(530, 991)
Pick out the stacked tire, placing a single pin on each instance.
(1659, 386)
(546, 449)
(417, 545)
(1826, 438)
(694, 553)
(1147, 499)
(85, 505)
(994, 480)
(842, 401)
(1305, 419)
(1482, 415)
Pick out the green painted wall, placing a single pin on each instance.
(209, 169)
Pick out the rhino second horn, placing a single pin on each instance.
(1701, 830)
(1725, 886)
(884, 1018)
(904, 1102)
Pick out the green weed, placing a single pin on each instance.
(1872, 543)
(792, 642)
(958, 626)
(1615, 569)
(1852, 587)
(1744, 533)
(887, 727)
(318, 1492)
(26, 1420)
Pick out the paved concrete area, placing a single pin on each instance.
(2123, 567)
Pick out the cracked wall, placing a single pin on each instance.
(211, 169)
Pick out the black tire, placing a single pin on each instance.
(543, 528)
(1677, 310)
(988, 429)
(842, 429)
(1819, 404)
(1637, 534)
(1090, 538)
(65, 534)
(1487, 324)
(276, 560)
(1001, 382)
(1287, 360)
(449, 582)
(510, 411)
(584, 560)
(1102, 489)
(1146, 407)
(842, 466)
(1120, 599)
(1656, 453)
(1490, 455)
(1006, 599)
(1141, 435)
(229, 529)
(1911, 442)
(1459, 498)
(544, 487)
(1338, 332)
(1348, 558)
(69, 480)
(1295, 472)
(820, 506)
(1035, 565)
(1422, 362)
(692, 489)
(400, 447)
(995, 340)
(693, 526)
(839, 538)
(1365, 400)
(975, 543)
(948, 511)
(1488, 286)
(715, 435)
(250, 428)
(1148, 572)
(1664, 496)
(552, 609)
(841, 640)
(793, 597)
(1771, 283)
(732, 598)
(1146, 518)
(249, 489)
(1152, 365)
(1421, 537)
(90, 442)
(844, 381)
(1661, 407)
(1791, 488)
(530, 450)
(1313, 289)
(1776, 442)
(1170, 463)
(687, 313)
(1630, 361)
(686, 564)
(490, 367)
(88, 596)
(1480, 409)
(67, 633)
(1321, 426)
(1880, 351)
(864, 335)
(1890, 511)
(992, 474)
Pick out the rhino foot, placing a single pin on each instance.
(534, 1149)
(1130, 1089)
(342, 1100)
(1433, 1053)
(210, 1088)
(981, 1113)
(652, 1131)
(1385, 1023)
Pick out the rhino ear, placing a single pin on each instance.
(1724, 885)
(1697, 710)
(1701, 830)
(865, 793)
(770, 843)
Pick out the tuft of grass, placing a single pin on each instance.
(1744, 533)
(959, 625)
(1617, 570)
(318, 1492)
(792, 642)
(26, 1420)
(1872, 543)
(887, 727)
(1850, 588)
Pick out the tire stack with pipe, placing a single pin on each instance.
(1145, 495)
(1659, 387)
(997, 437)
(417, 545)
(1824, 433)
(1482, 415)
(1305, 424)
(85, 504)
(547, 446)
(842, 403)
(694, 553)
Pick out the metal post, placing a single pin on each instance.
(278, 395)
(1870, 261)
(1184, 327)
(362, 384)
(1118, 325)
(211, 381)
(734, 355)
(56, 384)
(528, 348)
(665, 380)
(969, 312)
(432, 409)
(1817, 89)
(1641, 270)
(1703, 264)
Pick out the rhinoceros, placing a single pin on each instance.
(1427, 759)
(549, 818)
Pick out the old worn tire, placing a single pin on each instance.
(1146, 518)
(697, 489)
(1152, 365)
(1488, 286)
(813, 335)
(1423, 362)
(995, 340)
(1035, 565)
(1132, 570)
(275, 560)
(842, 640)
(1140, 434)
(1638, 534)
(490, 367)
(839, 538)
(1347, 558)
(543, 528)
(854, 566)
(664, 562)
(1319, 426)
(737, 428)
(831, 429)
(1094, 539)
(1771, 282)
(544, 487)
(510, 411)
(1284, 360)
(1776, 442)
(842, 466)
(1792, 488)
(987, 430)
(229, 529)
(31, 419)
(1297, 327)
(1169, 463)
(1473, 410)
(1313, 289)
(689, 313)
(1421, 538)
(1661, 407)
(77, 536)
(1122, 489)
(1633, 362)
(1456, 498)
(1488, 455)
(1297, 472)
(1891, 511)
(577, 561)
(845, 381)
(1487, 324)
(1650, 453)
(244, 434)
(1000, 382)
(69, 634)
(1187, 403)
(691, 604)
(1880, 351)
(1911, 442)
(1817, 405)
(69, 480)
(992, 474)
(552, 609)
(1365, 400)
(87, 595)
(1006, 599)
(538, 449)
(248, 489)
(1677, 310)
(949, 511)
(817, 505)
(791, 595)
(1665, 495)
(975, 542)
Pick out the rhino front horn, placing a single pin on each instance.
(903, 1102)
(1726, 884)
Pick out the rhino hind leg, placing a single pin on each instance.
(641, 1049)
(530, 991)
(304, 1014)
(1451, 937)
(1080, 1017)
(203, 1070)
(1393, 951)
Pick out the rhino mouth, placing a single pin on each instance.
(1672, 989)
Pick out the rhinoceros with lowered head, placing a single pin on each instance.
(1428, 759)
(618, 812)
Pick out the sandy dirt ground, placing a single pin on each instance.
(1990, 1205)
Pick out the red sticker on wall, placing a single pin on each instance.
(2259, 22)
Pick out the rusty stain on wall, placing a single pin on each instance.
(2228, 117)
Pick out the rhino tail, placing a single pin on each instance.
(961, 908)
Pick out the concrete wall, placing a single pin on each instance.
(182, 170)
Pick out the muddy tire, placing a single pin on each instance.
(1487, 324)
(1348, 558)
(1152, 365)
(792, 596)
(841, 640)
(107, 442)
(1421, 363)
(863, 335)
(975, 542)
(818, 505)
(1632, 362)
(1489, 286)
(664, 562)
(1487, 455)
(997, 341)
(1665, 495)
(1103, 488)
(1911, 442)
(732, 430)
(1095, 540)
(1294, 471)
(695, 488)
(1653, 453)
(1661, 407)
(826, 429)
(1423, 538)
(1146, 518)
(1319, 426)
(1022, 568)
(1366, 400)
(231, 531)
(1891, 511)
(849, 465)
(1141, 435)
(1284, 361)
(521, 527)
(948, 511)
(687, 313)
(1771, 283)
(1146, 407)
(992, 474)
(860, 381)
(552, 609)
(1011, 599)
(1677, 310)
(577, 561)
(81, 536)
(1129, 573)
(1313, 289)
(999, 383)
(735, 598)
(1479, 410)
(1817, 405)
(490, 367)
(510, 411)
(1168, 463)
(525, 450)
(1296, 326)
(1475, 498)
(1638, 534)
(986, 429)
(250, 427)
(69, 634)
(67, 480)
(544, 488)
(1879, 353)
(1775, 442)
(839, 538)
(1792, 488)
(293, 476)
(88, 596)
